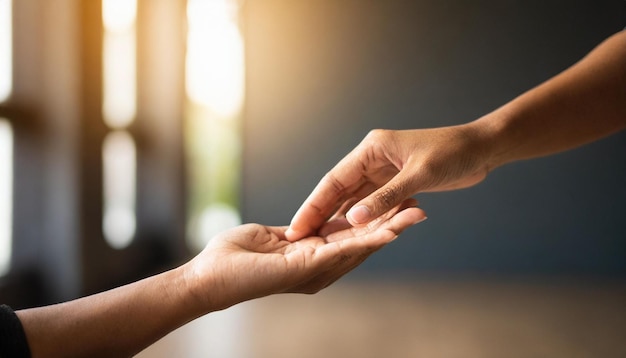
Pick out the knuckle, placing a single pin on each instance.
(378, 135)
(387, 196)
(390, 196)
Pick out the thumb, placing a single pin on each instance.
(393, 193)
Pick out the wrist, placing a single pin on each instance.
(195, 288)
(206, 289)
(489, 132)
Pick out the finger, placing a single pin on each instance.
(334, 226)
(347, 254)
(376, 223)
(330, 265)
(357, 195)
(338, 221)
(399, 188)
(403, 220)
(394, 226)
(339, 228)
(343, 229)
(330, 192)
(343, 256)
(359, 238)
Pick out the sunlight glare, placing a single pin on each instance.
(215, 56)
(119, 15)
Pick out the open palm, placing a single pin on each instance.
(253, 260)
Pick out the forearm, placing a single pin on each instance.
(584, 103)
(115, 323)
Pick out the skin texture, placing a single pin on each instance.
(239, 264)
(580, 105)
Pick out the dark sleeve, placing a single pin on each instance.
(13, 341)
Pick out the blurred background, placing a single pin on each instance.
(131, 131)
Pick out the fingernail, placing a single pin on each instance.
(360, 214)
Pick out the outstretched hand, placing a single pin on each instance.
(388, 167)
(582, 104)
(239, 264)
(253, 260)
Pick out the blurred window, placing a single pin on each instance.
(119, 160)
(119, 111)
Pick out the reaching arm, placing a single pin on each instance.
(240, 264)
(580, 105)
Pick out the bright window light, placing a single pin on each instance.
(120, 168)
(6, 195)
(119, 15)
(119, 102)
(215, 56)
(119, 61)
(6, 50)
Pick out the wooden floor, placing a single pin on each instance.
(445, 318)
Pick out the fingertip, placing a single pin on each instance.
(407, 218)
(293, 235)
(359, 215)
(420, 219)
(417, 215)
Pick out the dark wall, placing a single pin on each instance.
(322, 73)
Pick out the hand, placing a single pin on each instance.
(388, 167)
(245, 262)
(252, 260)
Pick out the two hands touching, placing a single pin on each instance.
(252, 260)
(358, 207)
